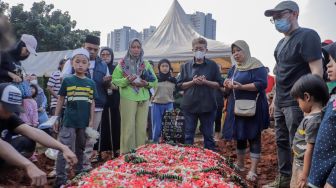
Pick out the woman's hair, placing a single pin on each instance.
(61, 62)
(36, 90)
(312, 84)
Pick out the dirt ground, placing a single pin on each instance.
(267, 170)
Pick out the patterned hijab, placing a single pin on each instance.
(250, 62)
(133, 65)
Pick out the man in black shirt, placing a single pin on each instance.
(199, 79)
(14, 148)
(297, 54)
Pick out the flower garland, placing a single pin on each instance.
(165, 165)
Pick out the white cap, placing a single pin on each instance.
(30, 42)
(11, 98)
(80, 51)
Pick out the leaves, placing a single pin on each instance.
(53, 29)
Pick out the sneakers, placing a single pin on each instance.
(281, 181)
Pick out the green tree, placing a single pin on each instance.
(53, 29)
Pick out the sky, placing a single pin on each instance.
(236, 20)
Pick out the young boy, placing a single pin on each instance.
(312, 94)
(78, 115)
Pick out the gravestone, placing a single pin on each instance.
(173, 130)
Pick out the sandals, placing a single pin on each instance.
(251, 176)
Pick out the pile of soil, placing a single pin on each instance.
(267, 169)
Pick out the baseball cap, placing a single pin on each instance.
(284, 5)
(80, 51)
(11, 98)
(30, 42)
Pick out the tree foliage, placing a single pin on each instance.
(53, 29)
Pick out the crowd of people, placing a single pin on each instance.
(100, 105)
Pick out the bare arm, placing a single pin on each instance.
(92, 109)
(9, 154)
(212, 84)
(52, 92)
(187, 85)
(316, 67)
(46, 140)
(306, 165)
(58, 109)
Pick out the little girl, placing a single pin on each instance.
(30, 116)
(312, 94)
(163, 97)
(323, 168)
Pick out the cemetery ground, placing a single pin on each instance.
(267, 169)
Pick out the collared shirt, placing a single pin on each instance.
(199, 98)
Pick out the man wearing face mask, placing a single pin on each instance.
(10, 67)
(297, 54)
(199, 78)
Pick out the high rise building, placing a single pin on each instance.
(148, 32)
(204, 24)
(118, 39)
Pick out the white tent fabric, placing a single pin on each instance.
(171, 40)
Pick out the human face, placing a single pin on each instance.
(199, 47)
(164, 68)
(24, 52)
(331, 69)
(4, 114)
(305, 104)
(93, 50)
(238, 54)
(33, 91)
(106, 56)
(80, 63)
(135, 49)
(280, 15)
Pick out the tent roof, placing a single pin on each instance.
(172, 40)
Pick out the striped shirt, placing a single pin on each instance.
(55, 83)
(79, 93)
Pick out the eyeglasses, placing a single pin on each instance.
(279, 16)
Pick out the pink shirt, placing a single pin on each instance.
(30, 116)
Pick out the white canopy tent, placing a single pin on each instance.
(171, 40)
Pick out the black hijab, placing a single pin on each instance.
(165, 77)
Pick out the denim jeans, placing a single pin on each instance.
(287, 120)
(207, 127)
(157, 114)
(255, 146)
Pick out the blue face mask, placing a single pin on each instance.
(282, 25)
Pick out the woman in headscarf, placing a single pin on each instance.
(133, 76)
(163, 97)
(110, 124)
(246, 80)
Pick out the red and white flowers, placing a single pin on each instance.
(164, 165)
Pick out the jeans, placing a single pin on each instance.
(207, 127)
(287, 120)
(157, 113)
(255, 146)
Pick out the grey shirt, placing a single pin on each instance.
(306, 133)
(199, 98)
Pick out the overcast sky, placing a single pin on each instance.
(238, 19)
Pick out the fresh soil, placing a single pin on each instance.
(267, 169)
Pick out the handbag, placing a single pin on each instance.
(244, 107)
